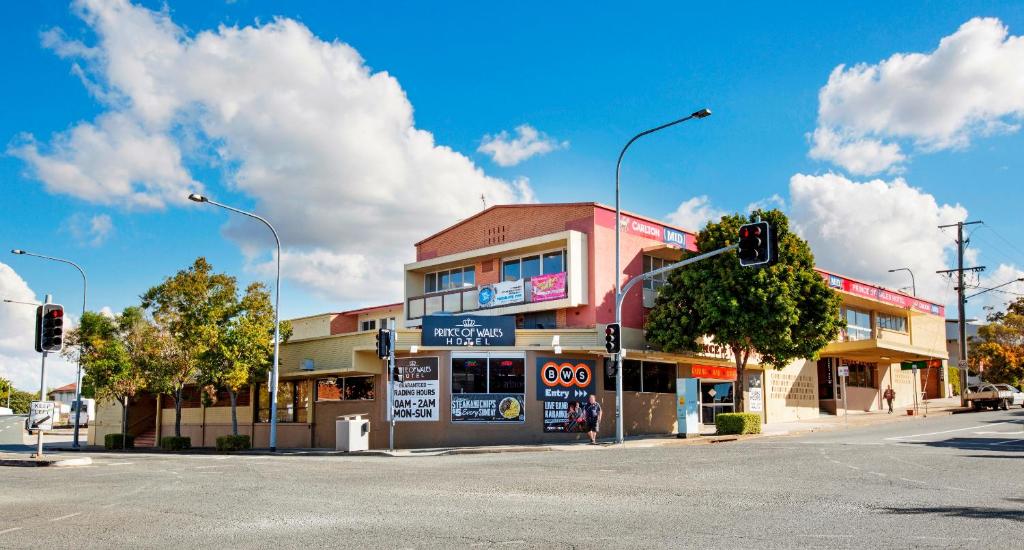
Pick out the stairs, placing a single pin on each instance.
(146, 439)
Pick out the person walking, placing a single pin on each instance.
(592, 412)
(889, 395)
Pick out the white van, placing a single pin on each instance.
(88, 412)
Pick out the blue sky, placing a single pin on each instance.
(586, 76)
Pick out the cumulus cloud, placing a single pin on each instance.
(968, 86)
(19, 361)
(695, 213)
(773, 202)
(326, 147)
(506, 150)
(89, 230)
(996, 299)
(863, 229)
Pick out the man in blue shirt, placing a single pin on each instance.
(592, 413)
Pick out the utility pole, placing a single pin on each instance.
(961, 301)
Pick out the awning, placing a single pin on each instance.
(664, 251)
(880, 351)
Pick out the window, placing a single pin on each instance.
(858, 324)
(386, 322)
(369, 325)
(449, 279)
(223, 398)
(531, 266)
(897, 323)
(485, 374)
(643, 376)
(292, 402)
(650, 264)
(537, 319)
(862, 375)
(350, 388)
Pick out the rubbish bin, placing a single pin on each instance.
(352, 433)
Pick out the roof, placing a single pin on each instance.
(553, 204)
(349, 312)
(65, 388)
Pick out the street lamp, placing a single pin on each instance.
(195, 197)
(913, 285)
(619, 432)
(85, 293)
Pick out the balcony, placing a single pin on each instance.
(498, 297)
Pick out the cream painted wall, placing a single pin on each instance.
(792, 393)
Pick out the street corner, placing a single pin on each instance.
(23, 461)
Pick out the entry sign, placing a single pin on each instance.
(417, 397)
(844, 370)
(41, 415)
(563, 386)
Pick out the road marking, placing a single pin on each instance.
(877, 474)
(119, 463)
(897, 438)
(5, 531)
(219, 466)
(67, 516)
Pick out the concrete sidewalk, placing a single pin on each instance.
(931, 408)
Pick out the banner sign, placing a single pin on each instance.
(502, 294)
(469, 330)
(41, 415)
(563, 386)
(754, 393)
(650, 230)
(548, 287)
(882, 295)
(417, 396)
(488, 407)
(708, 371)
(687, 402)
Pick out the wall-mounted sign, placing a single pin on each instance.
(674, 237)
(717, 373)
(488, 407)
(755, 395)
(548, 287)
(469, 330)
(502, 294)
(843, 370)
(417, 396)
(882, 295)
(563, 386)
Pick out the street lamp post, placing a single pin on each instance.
(913, 285)
(195, 197)
(619, 431)
(85, 293)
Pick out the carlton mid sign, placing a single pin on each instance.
(469, 330)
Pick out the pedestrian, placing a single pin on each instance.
(889, 395)
(592, 412)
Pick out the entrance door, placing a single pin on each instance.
(715, 398)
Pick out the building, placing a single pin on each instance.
(64, 394)
(953, 346)
(501, 334)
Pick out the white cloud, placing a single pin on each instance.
(106, 311)
(19, 362)
(505, 150)
(998, 298)
(326, 147)
(773, 202)
(969, 85)
(695, 213)
(863, 229)
(90, 230)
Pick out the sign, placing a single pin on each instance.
(488, 407)
(563, 386)
(673, 237)
(909, 365)
(754, 393)
(962, 363)
(417, 397)
(843, 370)
(41, 415)
(548, 287)
(687, 403)
(469, 330)
(708, 371)
(502, 294)
(881, 294)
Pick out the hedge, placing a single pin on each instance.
(738, 423)
(172, 443)
(228, 443)
(113, 442)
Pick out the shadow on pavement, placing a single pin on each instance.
(970, 512)
(995, 444)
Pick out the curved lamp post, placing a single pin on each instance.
(195, 197)
(619, 431)
(85, 292)
(913, 285)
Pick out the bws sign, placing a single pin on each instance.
(564, 379)
(469, 330)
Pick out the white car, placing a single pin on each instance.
(1018, 396)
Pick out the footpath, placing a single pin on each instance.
(60, 454)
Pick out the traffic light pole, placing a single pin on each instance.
(620, 436)
(42, 393)
(393, 337)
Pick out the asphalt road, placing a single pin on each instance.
(939, 482)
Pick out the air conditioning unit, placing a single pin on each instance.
(307, 364)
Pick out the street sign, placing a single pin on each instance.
(910, 365)
(843, 370)
(41, 415)
(962, 363)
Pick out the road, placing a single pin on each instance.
(932, 483)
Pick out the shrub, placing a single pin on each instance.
(228, 443)
(954, 379)
(113, 442)
(738, 423)
(172, 443)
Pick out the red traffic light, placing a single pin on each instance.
(55, 313)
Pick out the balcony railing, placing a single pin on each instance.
(462, 300)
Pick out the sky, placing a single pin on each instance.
(360, 128)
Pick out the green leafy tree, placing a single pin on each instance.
(6, 389)
(998, 350)
(781, 312)
(190, 310)
(17, 400)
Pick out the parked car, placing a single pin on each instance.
(1018, 396)
(988, 395)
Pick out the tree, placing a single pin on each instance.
(190, 310)
(6, 389)
(782, 312)
(19, 401)
(112, 367)
(999, 346)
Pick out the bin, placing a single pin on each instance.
(352, 433)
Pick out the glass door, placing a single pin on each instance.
(715, 398)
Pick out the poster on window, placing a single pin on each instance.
(502, 294)
(488, 407)
(417, 395)
(547, 287)
(563, 386)
(755, 395)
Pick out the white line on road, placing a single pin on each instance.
(119, 463)
(5, 531)
(67, 516)
(898, 437)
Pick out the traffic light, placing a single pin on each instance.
(613, 338)
(755, 246)
(383, 343)
(50, 332)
